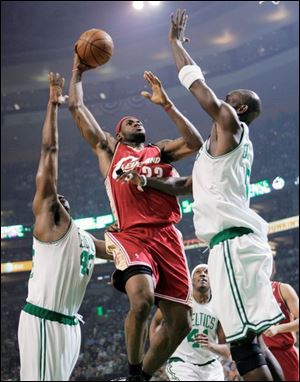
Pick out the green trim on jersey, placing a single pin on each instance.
(177, 359)
(50, 315)
(45, 348)
(41, 348)
(228, 234)
(246, 325)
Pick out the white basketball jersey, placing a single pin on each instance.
(204, 321)
(61, 271)
(221, 191)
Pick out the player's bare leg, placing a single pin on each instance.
(176, 326)
(272, 362)
(140, 292)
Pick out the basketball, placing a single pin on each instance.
(94, 47)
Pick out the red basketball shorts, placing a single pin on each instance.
(159, 248)
(289, 362)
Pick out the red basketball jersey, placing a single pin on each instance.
(132, 207)
(281, 340)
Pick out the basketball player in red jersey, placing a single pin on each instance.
(148, 250)
(279, 338)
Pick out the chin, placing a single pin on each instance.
(138, 138)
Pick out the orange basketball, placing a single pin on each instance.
(94, 47)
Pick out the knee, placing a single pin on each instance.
(140, 305)
(247, 356)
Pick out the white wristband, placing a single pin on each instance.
(189, 74)
(144, 181)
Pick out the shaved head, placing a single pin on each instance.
(246, 103)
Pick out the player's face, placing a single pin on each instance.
(133, 130)
(201, 279)
(233, 99)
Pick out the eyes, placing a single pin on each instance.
(205, 271)
(130, 122)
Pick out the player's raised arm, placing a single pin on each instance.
(46, 206)
(191, 76)
(190, 140)
(100, 141)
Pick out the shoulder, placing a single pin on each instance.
(287, 290)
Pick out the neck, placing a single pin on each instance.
(134, 144)
(201, 297)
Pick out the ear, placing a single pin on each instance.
(119, 137)
(242, 109)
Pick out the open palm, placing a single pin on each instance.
(158, 95)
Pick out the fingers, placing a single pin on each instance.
(60, 81)
(151, 78)
(172, 20)
(182, 17)
(185, 17)
(121, 177)
(125, 177)
(56, 79)
(178, 13)
(146, 94)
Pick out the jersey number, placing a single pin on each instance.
(193, 333)
(85, 263)
(190, 338)
(157, 171)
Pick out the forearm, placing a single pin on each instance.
(75, 89)
(204, 95)
(85, 121)
(220, 349)
(49, 132)
(171, 186)
(181, 56)
(187, 130)
(292, 326)
(101, 249)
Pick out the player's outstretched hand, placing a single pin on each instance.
(177, 26)
(56, 85)
(78, 64)
(159, 95)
